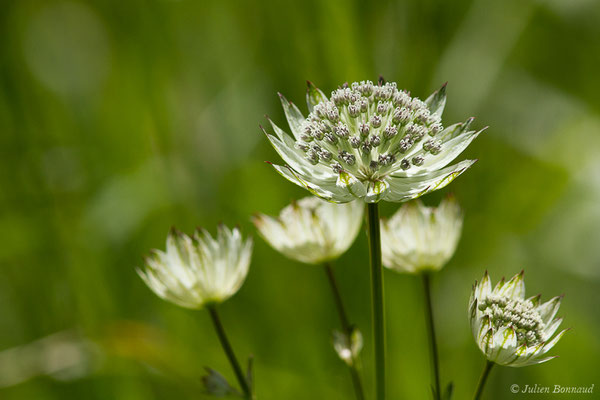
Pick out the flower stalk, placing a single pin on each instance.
(432, 341)
(483, 379)
(377, 298)
(347, 328)
(235, 365)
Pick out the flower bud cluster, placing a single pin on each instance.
(369, 129)
(521, 314)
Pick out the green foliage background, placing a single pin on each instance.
(120, 119)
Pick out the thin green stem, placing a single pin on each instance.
(377, 298)
(358, 389)
(483, 379)
(432, 342)
(337, 297)
(212, 310)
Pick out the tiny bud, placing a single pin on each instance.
(401, 115)
(318, 134)
(418, 161)
(364, 105)
(346, 157)
(374, 164)
(364, 129)
(390, 131)
(312, 157)
(435, 129)
(355, 142)
(341, 130)
(382, 107)
(333, 114)
(375, 141)
(386, 159)
(353, 110)
(337, 167)
(376, 121)
(325, 155)
(404, 164)
(330, 138)
(302, 146)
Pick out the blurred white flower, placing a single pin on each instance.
(509, 329)
(311, 230)
(199, 270)
(65, 356)
(370, 142)
(348, 345)
(419, 238)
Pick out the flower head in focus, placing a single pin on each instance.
(509, 329)
(372, 142)
(311, 230)
(198, 270)
(419, 238)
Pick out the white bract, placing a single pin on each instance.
(509, 329)
(419, 238)
(371, 142)
(198, 270)
(311, 230)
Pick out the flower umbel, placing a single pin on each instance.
(311, 230)
(372, 142)
(198, 270)
(419, 238)
(509, 329)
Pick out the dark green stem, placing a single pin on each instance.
(229, 351)
(377, 298)
(483, 379)
(347, 329)
(432, 341)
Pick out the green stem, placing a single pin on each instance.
(377, 298)
(358, 389)
(229, 351)
(432, 341)
(483, 379)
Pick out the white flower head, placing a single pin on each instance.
(198, 270)
(419, 238)
(311, 230)
(372, 142)
(509, 329)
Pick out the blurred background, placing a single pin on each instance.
(120, 119)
